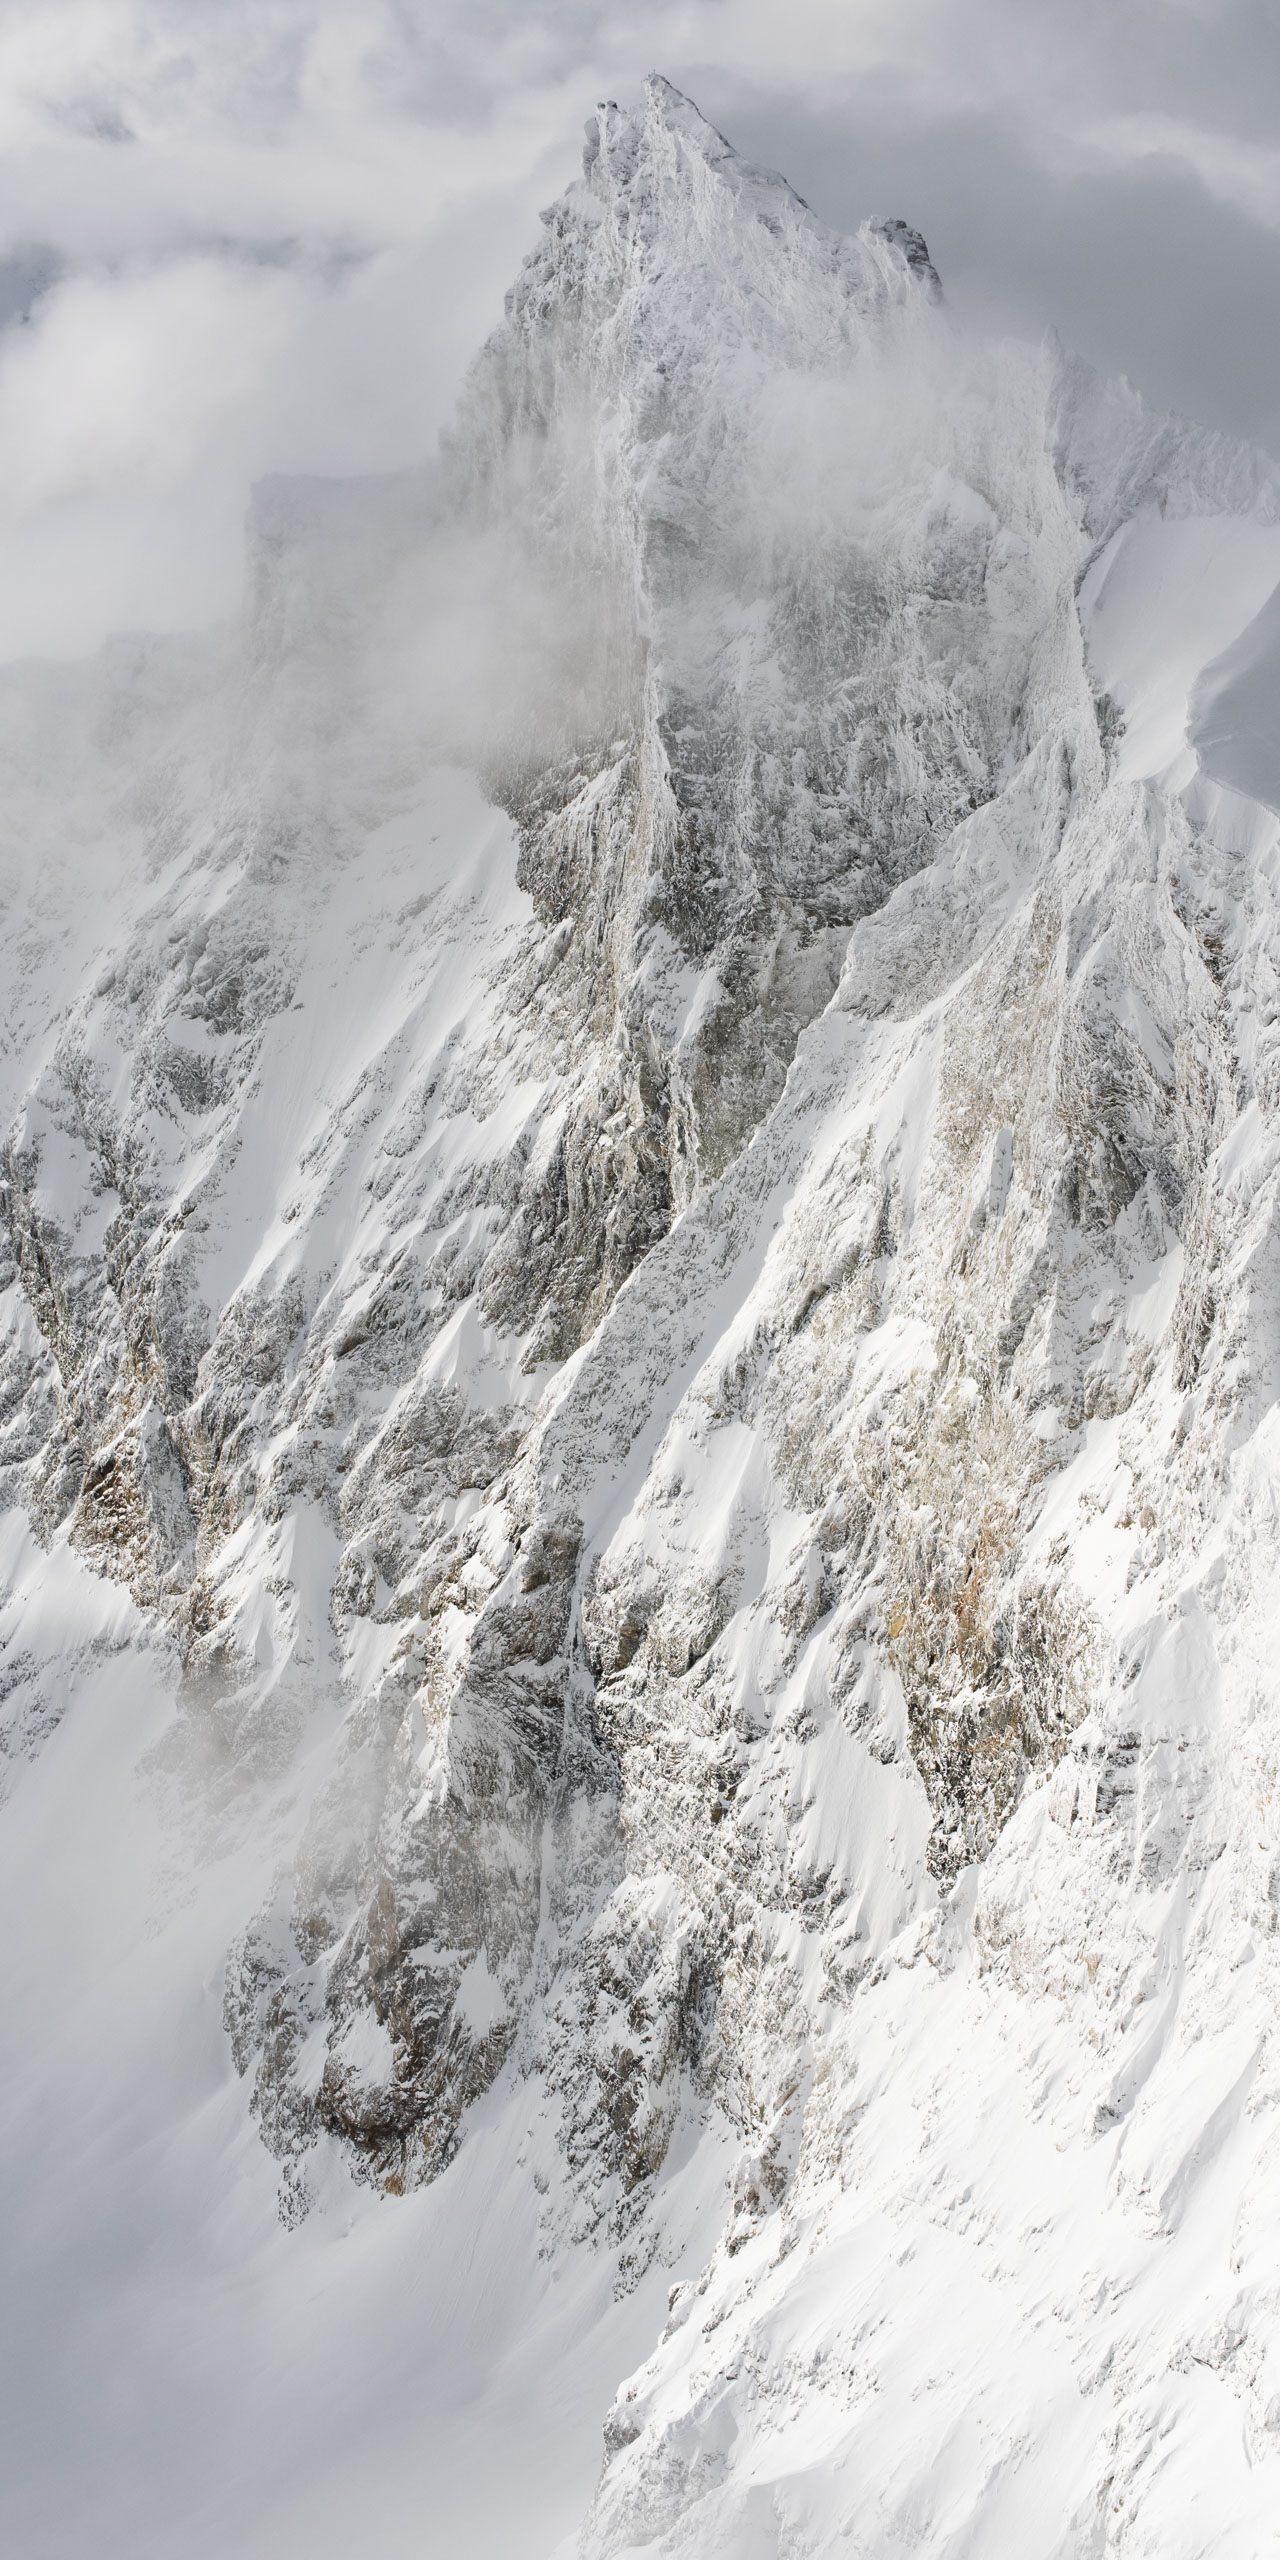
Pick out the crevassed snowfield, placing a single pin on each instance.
(638, 1372)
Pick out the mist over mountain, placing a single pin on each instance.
(639, 1338)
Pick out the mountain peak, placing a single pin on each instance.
(615, 138)
(675, 262)
(639, 1197)
(655, 162)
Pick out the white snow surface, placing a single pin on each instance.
(639, 1354)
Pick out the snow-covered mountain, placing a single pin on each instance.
(641, 1332)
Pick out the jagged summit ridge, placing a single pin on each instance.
(655, 394)
(621, 159)
(666, 227)
(614, 140)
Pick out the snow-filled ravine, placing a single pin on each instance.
(640, 1462)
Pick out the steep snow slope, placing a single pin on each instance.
(639, 1412)
(180, 2369)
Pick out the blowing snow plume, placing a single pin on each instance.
(638, 1410)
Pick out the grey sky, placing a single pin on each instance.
(248, 235)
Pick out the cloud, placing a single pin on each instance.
(231, 242)
(1236, 170)
(237, 239)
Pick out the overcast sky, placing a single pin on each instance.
(239, 236)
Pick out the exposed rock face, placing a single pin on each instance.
(667, 1340)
